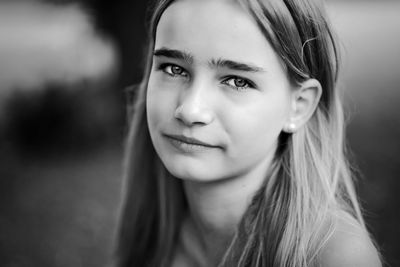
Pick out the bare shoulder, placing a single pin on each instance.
(349, 246)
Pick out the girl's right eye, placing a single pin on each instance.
(173, 70)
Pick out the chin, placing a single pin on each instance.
(193, 172)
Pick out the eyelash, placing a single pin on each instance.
(248, 84)
(165, 68)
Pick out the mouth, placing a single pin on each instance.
(188, 144)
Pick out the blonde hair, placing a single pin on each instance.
(309, 182)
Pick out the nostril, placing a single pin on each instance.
(191, 115)
(178, 112)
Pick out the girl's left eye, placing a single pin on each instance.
(238, 83)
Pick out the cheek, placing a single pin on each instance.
(255, 130)
(159, 103)
(152, 105)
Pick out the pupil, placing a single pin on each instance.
(176, 70)
(240, 83)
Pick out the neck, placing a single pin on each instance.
(216, 208)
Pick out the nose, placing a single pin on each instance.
(194, 107)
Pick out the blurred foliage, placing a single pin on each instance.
(59, 120)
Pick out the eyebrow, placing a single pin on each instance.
(175, 54)
(234, 65)
(219, 63)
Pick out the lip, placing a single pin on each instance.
(188, 144)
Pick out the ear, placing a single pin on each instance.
(305, 100)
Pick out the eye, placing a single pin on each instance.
(238, 83)
(173, 70)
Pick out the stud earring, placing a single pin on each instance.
(291, 128)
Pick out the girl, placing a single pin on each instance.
(235, 154)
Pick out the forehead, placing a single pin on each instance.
(208, 13)
(213, 29)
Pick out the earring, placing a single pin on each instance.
(291, 127)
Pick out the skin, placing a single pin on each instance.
(243, 123)
(195, 91)
(349, 246)
(197, 97)
(203, 102)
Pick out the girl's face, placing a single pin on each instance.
(218, 95)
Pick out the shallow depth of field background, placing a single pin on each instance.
(64, 66)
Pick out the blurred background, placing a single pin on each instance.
(64, 67)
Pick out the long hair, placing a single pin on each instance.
(309, 182)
